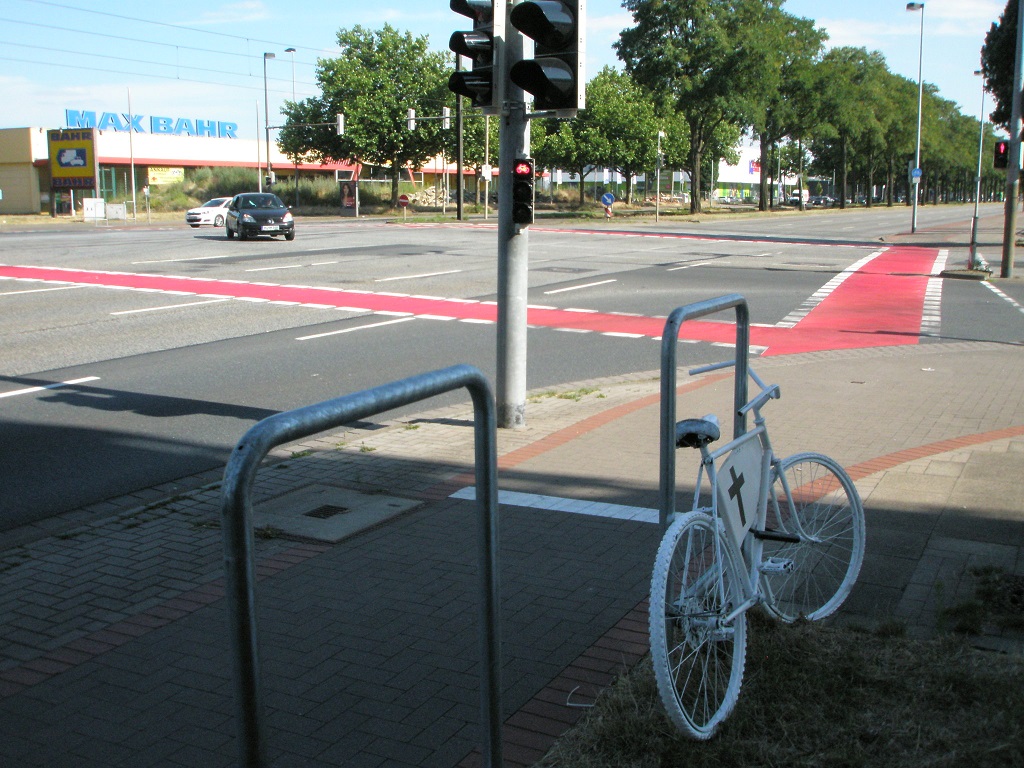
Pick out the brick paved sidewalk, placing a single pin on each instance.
(114, 643)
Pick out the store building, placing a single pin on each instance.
(151, 149)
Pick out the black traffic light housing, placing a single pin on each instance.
(483, 84)
(523, 176)
(1001, 158)
(555, 75)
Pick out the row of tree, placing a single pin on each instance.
(698, 75)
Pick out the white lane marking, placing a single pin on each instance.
(268, 269)
(688, 266)
(578, 287)
(352, 330)
(49, 386)
(794, 317)
(931, 315)
(322, 263)
(42, 290)
(572, 506)
(414, 277)
(169, 306)
(1004, 296)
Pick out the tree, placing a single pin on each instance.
(376, 79)
(573, 145)
(707, 59)
(793, 47)
(619, 110)
(997, 58)
(850, 87)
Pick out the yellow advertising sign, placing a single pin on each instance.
(159, 174)
(73, 161)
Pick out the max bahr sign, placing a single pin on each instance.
(168, 126)
(73, 161)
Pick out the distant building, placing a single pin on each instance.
(27, 171)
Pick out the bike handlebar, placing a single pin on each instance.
(768, 391)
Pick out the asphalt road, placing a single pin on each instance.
(168, 374)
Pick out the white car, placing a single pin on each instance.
(211, 212)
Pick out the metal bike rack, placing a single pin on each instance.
(669, 345)
(239, 561)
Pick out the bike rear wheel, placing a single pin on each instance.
(814, 499)
(698, 656)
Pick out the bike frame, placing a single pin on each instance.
(747, 548)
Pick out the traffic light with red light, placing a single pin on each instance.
(555, 75)
(483, 84)
(1002, 155)
(523, 176)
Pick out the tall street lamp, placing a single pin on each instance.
(296, 158)
(920, 93)
(972, 260)
(266, 116)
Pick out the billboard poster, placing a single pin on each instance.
(159, 174)
(73, 160)
(349, 192)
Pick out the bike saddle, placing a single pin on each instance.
(693, 433)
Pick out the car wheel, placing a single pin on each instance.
(289, 235)
(229, 232)
(219, 221)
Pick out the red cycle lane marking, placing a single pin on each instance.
(879, 305)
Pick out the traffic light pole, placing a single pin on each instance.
(513, 249)
(1013, 167)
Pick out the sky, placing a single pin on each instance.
(205, 60)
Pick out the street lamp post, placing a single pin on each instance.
(296, 177)
(657, 183)
(916, 182)
(266, 116)
(972, 259)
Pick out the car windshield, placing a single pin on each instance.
(262, 201)
(215, 203)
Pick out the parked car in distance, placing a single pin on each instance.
(211, 212)
(821, 201)
(252, 214)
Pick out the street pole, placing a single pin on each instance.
(131, 151)
(972, 259)
(920, 98)
(1013, 166)
(657, 183)
(296, 177)
(266, 116)
(459, 145)
(513, 248)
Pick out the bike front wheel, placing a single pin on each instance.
(814, 500)
(697, 648)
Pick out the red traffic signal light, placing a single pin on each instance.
(522, 191)
(1002, 155)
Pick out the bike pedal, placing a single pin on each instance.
(777, 565)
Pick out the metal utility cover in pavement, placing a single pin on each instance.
(327, 513)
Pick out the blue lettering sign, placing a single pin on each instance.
(184, 126)
(77, 119)
(136, 123)
(110, 121)
(175, 126)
